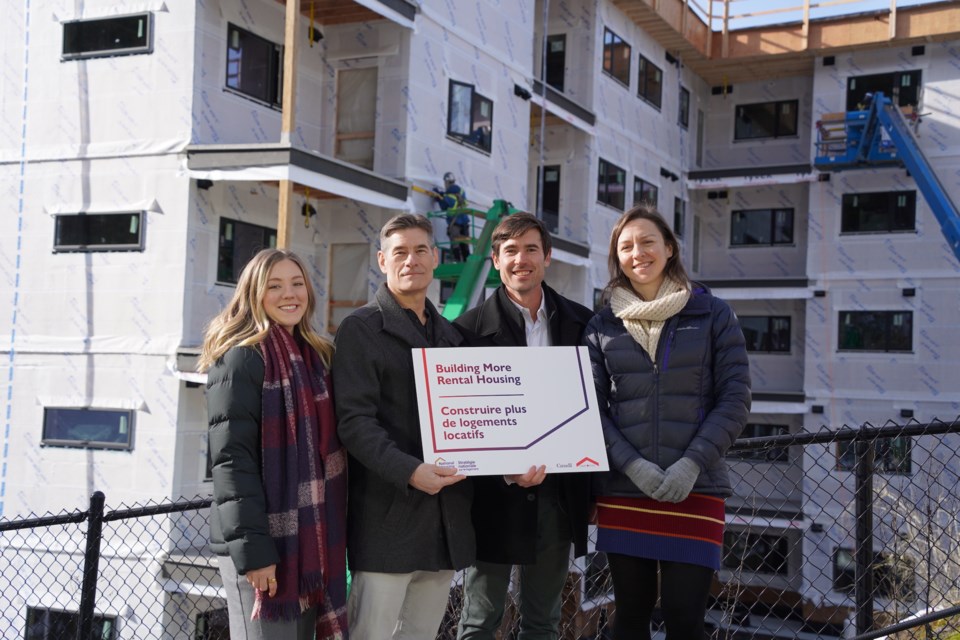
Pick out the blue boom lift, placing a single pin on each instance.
(879, 135)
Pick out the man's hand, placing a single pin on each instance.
(264, 580)
(531, 478)
(430, 478)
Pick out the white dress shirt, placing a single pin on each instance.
(538, 331)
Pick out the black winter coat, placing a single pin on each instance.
(238, 516)
(392, 527)
(505, 516)
(693, 401)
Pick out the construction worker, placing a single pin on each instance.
(452, 198)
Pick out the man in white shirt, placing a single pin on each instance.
(529, 520)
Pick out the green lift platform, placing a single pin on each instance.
(470, 277)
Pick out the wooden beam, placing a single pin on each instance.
(725, 43)
(710, 30)
(806, 24)
(284, 224)
(289, 99)
(893, 19)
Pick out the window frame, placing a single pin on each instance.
(551, 38)
(477, 101)
(778, 106)
(607, 62)
(60, 218)
(274, 80)
(146, 48)
(644, 91)
(772, 211)
(46, 611)
(683, 108)
(679, 217)
(888, 316)
(553, 219)
(220, 242)
(885, 462)
(770, 332)
(890, 211)
(603, 185)
(655, 189)
(49, 441)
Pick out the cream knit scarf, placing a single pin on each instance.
(645, 319)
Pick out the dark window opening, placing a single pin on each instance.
(771, 454)
(254, 66)
(684, 115)
(763, 227)
(616, 57)
(550, 205)
(903, 87)
(88, 428)
(610, 184)
(887, 212)
(766, 120)
(108, 37)
(644, 192)
(766, 334)
(893, 577)
(755, 552)
(876, 331)
(239, 242)
(650, 82)
(470, 116)
(891, 455)
(98, 232)
(556, 60)
(51, 624)
(212, 625)
(679, 217)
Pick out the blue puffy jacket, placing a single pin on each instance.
(693, 401)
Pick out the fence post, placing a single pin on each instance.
(91, 566)
(866, 450)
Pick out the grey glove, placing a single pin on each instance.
(678, 481)
(646, 475)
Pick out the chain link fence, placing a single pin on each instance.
(829, 535)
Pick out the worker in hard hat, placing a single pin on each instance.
(453, 199)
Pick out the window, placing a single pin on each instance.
(556, 60)
(766, 334)
(88, 428)
(756, 552)
(212, 625)
(50, 624)
(876, 331)
(99, 232)
(766, 120)
(761, 227)
(903, 87)
(886, 212)
(471, 116)
(679, 217)
(610, 184)
(892, 455)
(644, 192)
(650, 82)
(684, 116)
(616, 57)
(772, 454)
(550, 202)
(356, 116)
(893, 576)
(254, 66)
(240, 241)
(108, 37)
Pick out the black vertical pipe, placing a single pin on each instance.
(866, 450)
(91, 566)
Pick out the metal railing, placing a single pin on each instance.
(852, 531)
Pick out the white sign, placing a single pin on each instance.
(502, 410)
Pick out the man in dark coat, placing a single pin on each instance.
(408, 523)
(529, 520)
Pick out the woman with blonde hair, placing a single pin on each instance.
(673, 385)
(278, 520)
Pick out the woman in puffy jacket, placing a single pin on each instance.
(278, 521)
(673, 385)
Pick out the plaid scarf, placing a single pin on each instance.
(304, 480)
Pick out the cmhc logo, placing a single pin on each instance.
(588, 462)
(443, 463)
